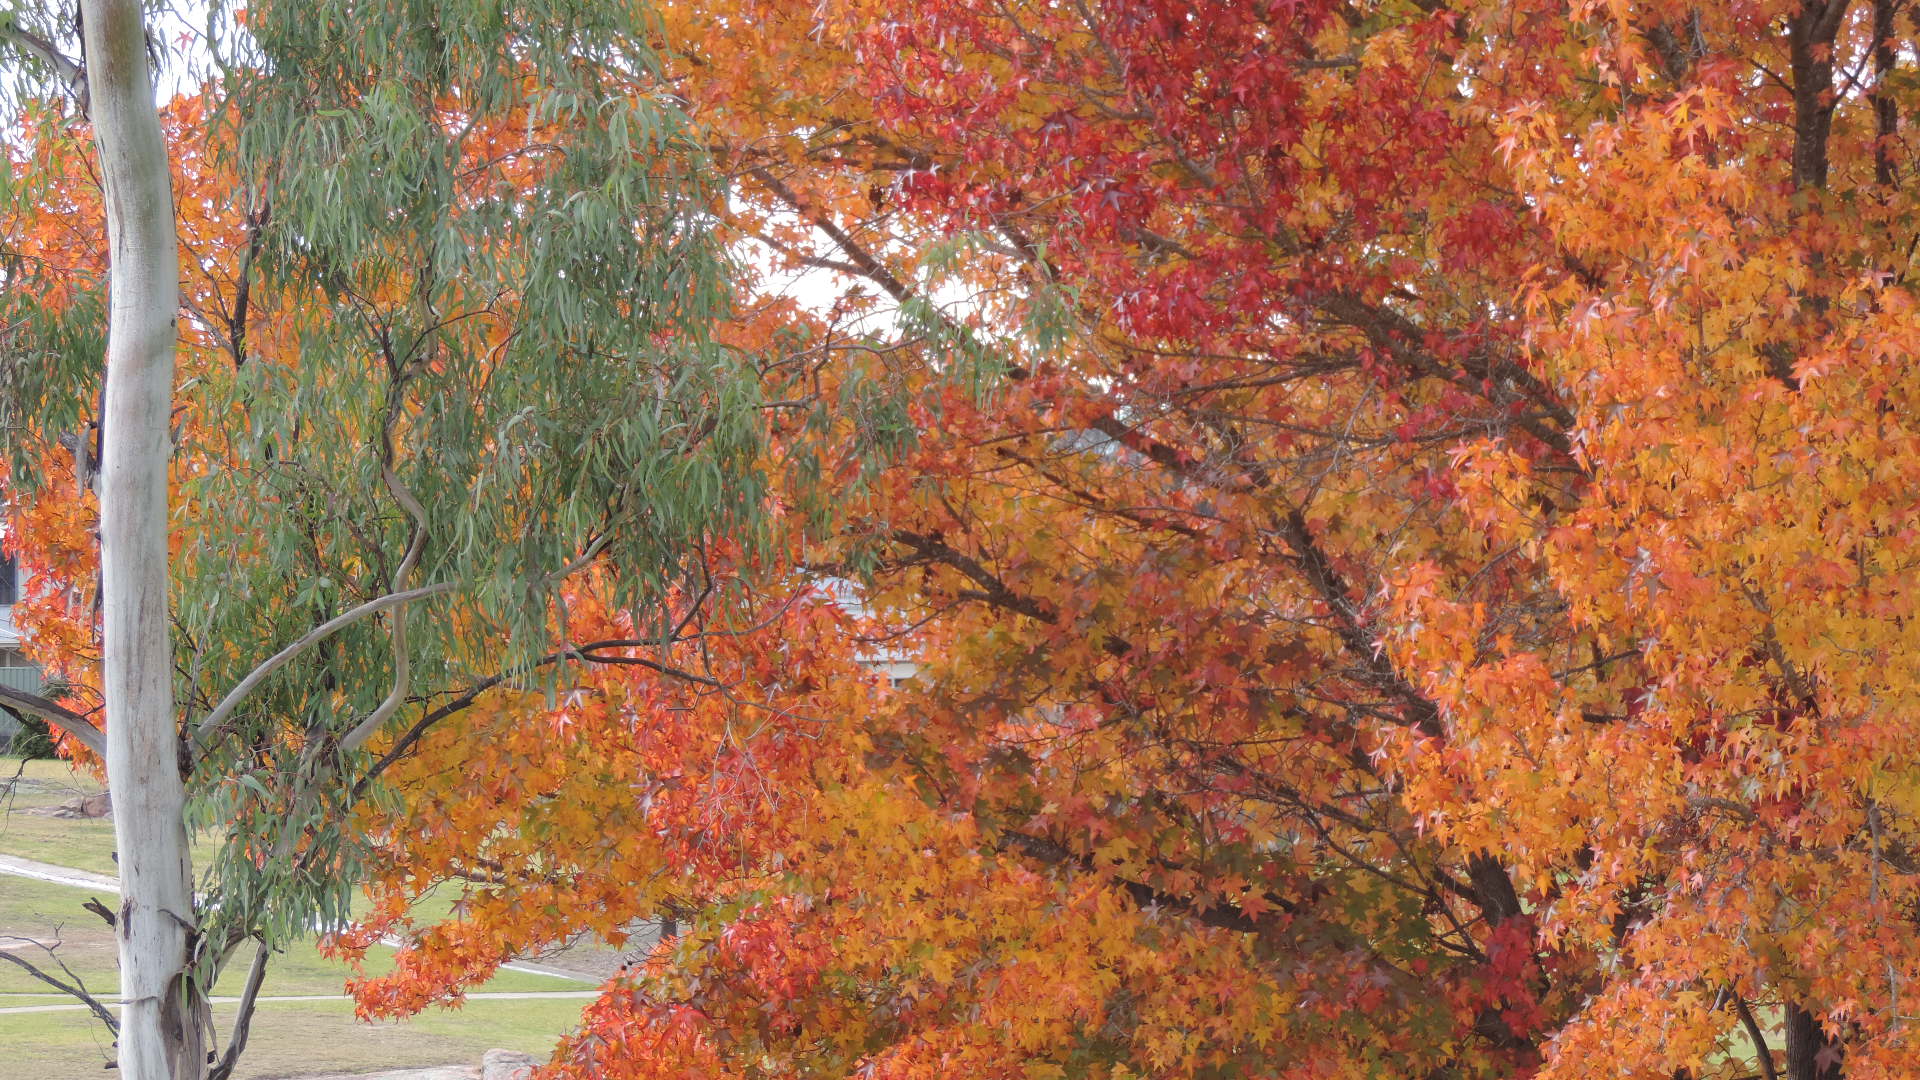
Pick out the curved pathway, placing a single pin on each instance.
(59, 875)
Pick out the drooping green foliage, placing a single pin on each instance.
(449, 296)
(486, 285)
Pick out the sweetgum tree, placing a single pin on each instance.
(1421, 594)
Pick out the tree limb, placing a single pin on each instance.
(402, 659)
(243, 1021)
(1759, 1041)
(74, 989)
(68, 70)
(993, 590)
(311, 638)
(1218, 914)
(583, 652)
(58, 715)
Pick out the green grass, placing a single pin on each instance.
(52, 913)
(297, 1037)
(49, 912)
(82, 843)
(289, 1038)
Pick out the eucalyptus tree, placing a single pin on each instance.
(445, 351)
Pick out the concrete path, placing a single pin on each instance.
(59, 875)
(85, 879)
(521, 995)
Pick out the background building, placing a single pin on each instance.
(16, 670)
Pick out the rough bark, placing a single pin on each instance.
(1810, 39)
(1811, 1055)
(161, 1036)
(1886, 111)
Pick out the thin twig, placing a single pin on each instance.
(76, 989)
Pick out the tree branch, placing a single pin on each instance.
(56, 714)
(74, 989)
(993, 590)
(311, 638)
(243, 1021)
(466, 698)
(1810, 40)
(64, 67)
(866, 265)
(1332, 588)
(1218, 914)
(402, 659)
(1759, 1041)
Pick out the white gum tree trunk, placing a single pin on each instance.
(161, 1033)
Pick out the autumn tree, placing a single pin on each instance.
(1421, 591)
(1402, 540)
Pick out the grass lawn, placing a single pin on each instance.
(297, 1037)
(289, 1038)
(82, 843)
(48, 912)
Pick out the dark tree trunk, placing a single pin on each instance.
(1811, 1055)
(1810, 51)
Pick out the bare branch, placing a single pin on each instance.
(402, 666)
(1759, 1040)
(64, 67)
(243, 1021)
(584, 652)
(1208, 911)
(76, 988)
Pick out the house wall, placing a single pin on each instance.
(16, 671)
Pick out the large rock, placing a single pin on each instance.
(98, 805)
(506, 1065)
(442, 1073)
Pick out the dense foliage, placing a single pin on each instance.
(1400, 513)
